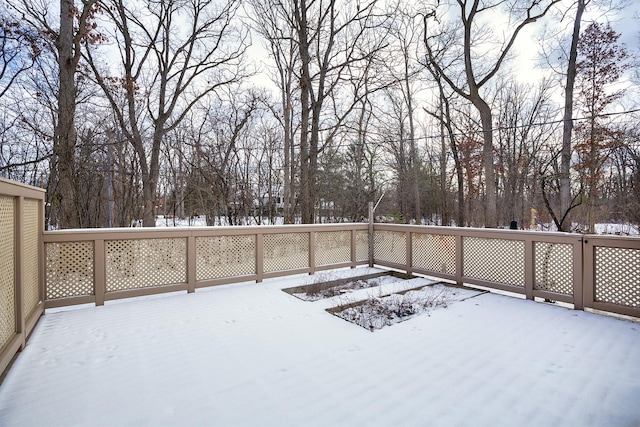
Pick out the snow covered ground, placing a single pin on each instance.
(252, 355)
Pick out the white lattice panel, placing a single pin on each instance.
(333, 247)
(617, 276)
(225, 256)
(390, 246)
(69, 269)
(286, 251)
(135, 264)
(362, 245)
(554, 267)
(494, 260)
(31, 291)
(7, 273)
(434, 252)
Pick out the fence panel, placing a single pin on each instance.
(286, 251)
(332, 247)
(102, 264)
(31, 259)
(225, 256)
(144, 263)
(612, 274)
(8, 327)
(362, 246)
(494, 260)
(554, 267)
(434, 252)
(543, 265)
(390, 247)
(69, 269)
(21, 284)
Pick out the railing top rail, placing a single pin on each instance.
(13, 188)
(158, 232)
(480, 232)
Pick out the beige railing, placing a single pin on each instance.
(587, 271)
(91, 266)
(599, 272)
(21, 284)
(41, 269)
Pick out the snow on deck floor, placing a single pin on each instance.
(252, 355)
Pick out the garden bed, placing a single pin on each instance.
(377, 312)
(331, 288)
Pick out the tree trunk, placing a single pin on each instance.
(306, 203)
(288, 158)
(415, 162)
(65, 138)
(491, 198)
(565, 161)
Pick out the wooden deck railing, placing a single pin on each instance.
(41, 269)
(21, 265)
(588, 271)
(83, 266)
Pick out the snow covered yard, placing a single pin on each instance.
(252, 355)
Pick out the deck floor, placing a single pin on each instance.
(252, 355)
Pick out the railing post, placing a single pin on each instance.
(42, 260)
(191, 263)
(18, 258)
(583, 274)
(99, 271)
(353, 248)
(312, 252)
(259, 257)
(459, 260)
(408, 253)
(529, 268)
(371, 241)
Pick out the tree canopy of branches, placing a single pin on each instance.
(301, 111)
(173, 54)
(479, 67)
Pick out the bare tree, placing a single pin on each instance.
(65, 37)
(173, 54)
(525, 113)
(405, 35)
(273, 24)
(442, 111)
(329, 39)
(479, 67)
(567, 120)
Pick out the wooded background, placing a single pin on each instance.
(285, 111)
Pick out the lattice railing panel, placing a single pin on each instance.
(554, 267)
(617, 276)
(333, 247)
(362, 245)
(390, 246)
(225, 256)
(31, 285)
(495, 260)
(69, 269)
(135, 264)
(7, 272)
(434, 252)
(286, 251)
